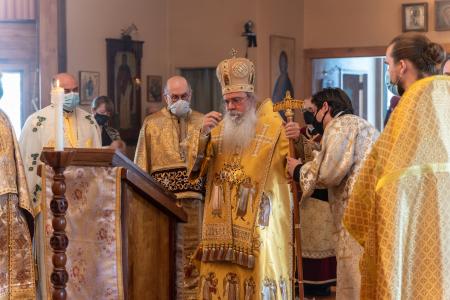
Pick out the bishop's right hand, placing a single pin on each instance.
(210, 121)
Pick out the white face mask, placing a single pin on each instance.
(180, 108)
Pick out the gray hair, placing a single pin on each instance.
(252, 97)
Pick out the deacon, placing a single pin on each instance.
(246, 247)
(161, 151)
(17, 278)
(399, 209)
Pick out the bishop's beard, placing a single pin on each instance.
(238, 130)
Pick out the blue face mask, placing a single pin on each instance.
(393, 88)
(71, 100)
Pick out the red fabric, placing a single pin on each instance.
(319, 270)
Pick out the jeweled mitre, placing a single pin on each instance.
(236, 74)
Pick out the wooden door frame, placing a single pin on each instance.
(51, 23)
(314, 53)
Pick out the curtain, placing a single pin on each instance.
(206, 91)
(17, 10)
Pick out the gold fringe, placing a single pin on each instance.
(226, 253)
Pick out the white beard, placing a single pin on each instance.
(238, 130)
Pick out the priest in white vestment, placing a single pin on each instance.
(80, 131)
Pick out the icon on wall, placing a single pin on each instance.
(89, 86)
(442, 15)
(415, 17)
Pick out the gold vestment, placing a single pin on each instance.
(246, 248)
(161, 151)
(17, 279)
(399, 210)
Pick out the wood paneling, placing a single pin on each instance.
(149, 261)
(17, 10)
(18, 41)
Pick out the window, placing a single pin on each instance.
(11, 103)
(362, 78)
(206, 90)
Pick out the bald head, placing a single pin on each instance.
(67, 82)
(177, 87)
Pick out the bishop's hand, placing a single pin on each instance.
(210, 121)
(292, 130)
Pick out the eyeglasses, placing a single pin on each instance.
(235, 101)
(74, 90)
(175, 98)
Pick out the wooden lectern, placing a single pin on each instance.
(138, 247)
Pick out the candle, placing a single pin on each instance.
(57, 98)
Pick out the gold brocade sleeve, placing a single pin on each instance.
(14, 179)
(199, 155)
(333, 162)
(22, 187)
(299, 147)
(141, 158)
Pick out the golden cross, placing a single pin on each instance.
(233, 52)
(288, 104)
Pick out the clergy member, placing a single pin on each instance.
(246, 246)
(345, 143)
(317, 225)
(17, 278)
(161, 151)
(399, 210)
(80, 131)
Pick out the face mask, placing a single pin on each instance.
(101, 119)
(393, 88)
(1, 90)
(308, 117)
(71, 100)
(318, 126)
(180, 108)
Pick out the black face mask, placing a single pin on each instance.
(318, 126)
(308, 117)
(101, 119)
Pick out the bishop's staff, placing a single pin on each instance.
(288, 105)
